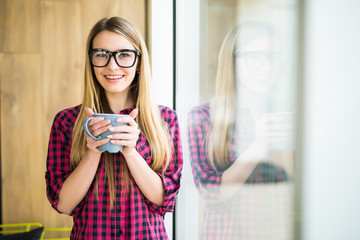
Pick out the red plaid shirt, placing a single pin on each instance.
(133, 216)
(260, 209)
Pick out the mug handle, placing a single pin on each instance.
(85, 126)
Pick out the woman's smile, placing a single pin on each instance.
(114, 78)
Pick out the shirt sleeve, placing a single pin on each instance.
(206, 178)
(58, 160)
(171, 177)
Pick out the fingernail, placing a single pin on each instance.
(111, 129)
(109, 136)
(119, 119)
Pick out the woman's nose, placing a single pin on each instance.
(112, 63)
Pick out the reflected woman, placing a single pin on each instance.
(240, 144)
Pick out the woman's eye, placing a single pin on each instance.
(124, 55)
(255, 55)
(101, 55)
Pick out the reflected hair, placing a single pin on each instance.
(224, 104)
(149, 120)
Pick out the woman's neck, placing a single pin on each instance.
(119, 102)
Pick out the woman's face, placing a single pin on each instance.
(113, 78)
(258, 64)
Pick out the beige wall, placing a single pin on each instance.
(42, 50)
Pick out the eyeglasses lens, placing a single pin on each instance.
(125, 59)
(99, 58)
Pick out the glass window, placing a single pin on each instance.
(235, 97)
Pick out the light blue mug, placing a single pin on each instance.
(109, 147)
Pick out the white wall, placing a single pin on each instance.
(331, 156)
(161, 12)
(162, 51)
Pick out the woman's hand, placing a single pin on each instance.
(271, 133)
(126, 135)
(274, 137)
(96, 127)
(278, 129)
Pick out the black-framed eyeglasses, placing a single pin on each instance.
(124, 58)
(257, 59)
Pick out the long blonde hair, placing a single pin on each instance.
(148, 119)
(225, 103)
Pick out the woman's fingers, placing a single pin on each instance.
(125, 143)
(129, 126)
(94, 144)
(134, 113)
(124, 129)
(123, 136)
(127, 134)
(89, 112)
(128, 121)
(98, 126)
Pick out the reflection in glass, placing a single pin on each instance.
(240, 142)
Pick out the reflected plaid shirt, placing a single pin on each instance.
(133, 216)
(259, 209)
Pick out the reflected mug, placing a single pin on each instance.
(286, 120)
(109, 147)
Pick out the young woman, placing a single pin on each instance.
(123, 195)
(240, 173)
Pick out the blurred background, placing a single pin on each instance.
(42, 56)
(42, 53)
